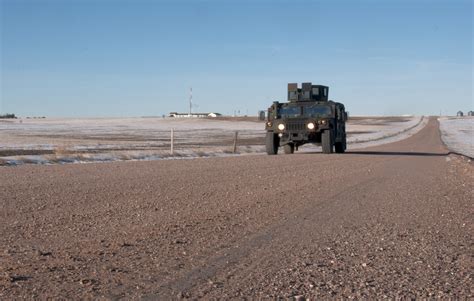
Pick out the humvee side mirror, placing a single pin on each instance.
(346, 116)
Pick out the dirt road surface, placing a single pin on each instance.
(394, 220)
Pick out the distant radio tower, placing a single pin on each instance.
(190, 101)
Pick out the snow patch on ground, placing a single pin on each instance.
(58, 141)
(402, 132)
(458, 134)
(378, 134)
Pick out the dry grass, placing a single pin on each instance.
(26, 160)
(123, 156)
(62, 150)
(84, 157)
(169, 155)
(228, 151)
(201, 154)
(57, 159)
(248, 149)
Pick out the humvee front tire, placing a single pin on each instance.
(289, 148)
(339, 147)
(326, 141)
(272, 142)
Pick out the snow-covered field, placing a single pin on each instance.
(49, 141)
(458, 134)
(372, 131)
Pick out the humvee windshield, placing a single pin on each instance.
(291, 111)
(317, 111)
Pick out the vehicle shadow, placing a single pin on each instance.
(393, 153)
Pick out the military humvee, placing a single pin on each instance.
(307, 117)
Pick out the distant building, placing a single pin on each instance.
(470, 113)
(460, 114)
(193, 115)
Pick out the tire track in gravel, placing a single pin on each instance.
(226, 259)
(283, 231)
(220, 262)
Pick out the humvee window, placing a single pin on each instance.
(293, 95)
(315, 91)
(289, 112)
(317, 111)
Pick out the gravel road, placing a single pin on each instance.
(393, 221)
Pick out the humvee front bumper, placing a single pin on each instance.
(298, 130)
(298, 136)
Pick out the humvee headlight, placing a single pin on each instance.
(323, 121)
(281, 126)
(269, 124)
(310, 126)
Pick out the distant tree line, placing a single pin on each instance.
(9, 116)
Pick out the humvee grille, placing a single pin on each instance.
(296, 126)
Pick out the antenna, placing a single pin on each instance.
(190, 100)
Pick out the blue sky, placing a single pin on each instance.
(139, 58)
